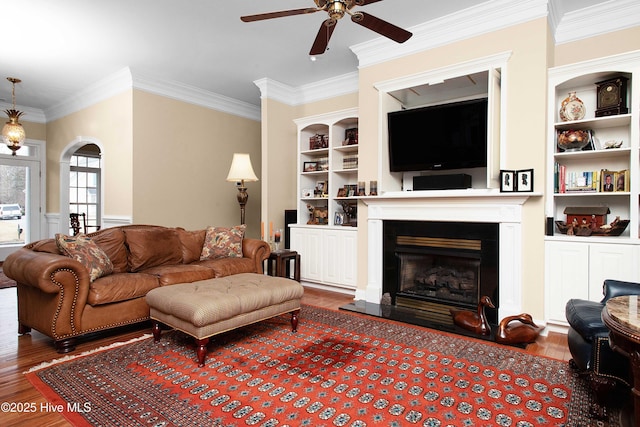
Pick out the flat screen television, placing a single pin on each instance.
(440, 137)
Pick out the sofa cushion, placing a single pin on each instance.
(181, 273)
(222, 242)
(152, 246)
(120, 287)
(223, 267)
(111, 241)
(192, 242)
(86, 252)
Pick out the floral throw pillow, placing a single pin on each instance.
(86, 252)
(221, 242)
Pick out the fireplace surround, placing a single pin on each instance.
(504, 210)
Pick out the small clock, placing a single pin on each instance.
(612, 97)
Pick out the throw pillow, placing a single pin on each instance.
(86, 252)
(221, 242)
(151, 246)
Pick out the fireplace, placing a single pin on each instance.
(433, 266)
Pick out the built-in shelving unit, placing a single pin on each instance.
(328, 167)
(576, 266)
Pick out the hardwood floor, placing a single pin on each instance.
(19, 353)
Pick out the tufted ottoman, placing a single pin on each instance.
(209, 307)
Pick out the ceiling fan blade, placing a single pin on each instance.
(270, 15)
(365, 2)
(381, 27)
(322, 38)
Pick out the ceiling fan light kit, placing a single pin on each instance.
(336, 9)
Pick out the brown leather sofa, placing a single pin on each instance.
(56, 297)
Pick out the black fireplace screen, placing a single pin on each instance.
(444, 278)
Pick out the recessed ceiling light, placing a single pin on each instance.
(313, 58)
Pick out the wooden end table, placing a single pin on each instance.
(281, 260)
(622, 317)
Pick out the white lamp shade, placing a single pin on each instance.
(241, 169)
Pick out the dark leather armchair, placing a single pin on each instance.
(589, 341)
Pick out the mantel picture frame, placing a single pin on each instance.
(507, 181)
(524, 181)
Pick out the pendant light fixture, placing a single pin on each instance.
(13, 133)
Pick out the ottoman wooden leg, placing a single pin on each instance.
(294, 320)
(201, 351)
(155, 329)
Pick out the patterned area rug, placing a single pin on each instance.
(339, 369)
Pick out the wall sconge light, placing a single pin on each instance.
(13, 133)
(241, 171)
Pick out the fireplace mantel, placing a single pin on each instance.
(472, 205)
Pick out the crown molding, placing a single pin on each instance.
(316, 91)
(462, 25)
(125, 79)
(193, 95)
(599, 19)
(273, 89)
(111, 85)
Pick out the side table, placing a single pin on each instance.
(622, 317)
(281, 260)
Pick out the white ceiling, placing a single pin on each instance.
(59, 48)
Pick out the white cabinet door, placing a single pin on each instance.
(567, 276)
(308, 243)
(610, 261)
(327, 255)
(341, 259)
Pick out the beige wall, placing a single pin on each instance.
(598, 47)
(181, 158)
(37, 131)
(164, 161)
(109, 122)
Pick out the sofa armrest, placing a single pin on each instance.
(256, 249)
(616, 288)
(57, 278)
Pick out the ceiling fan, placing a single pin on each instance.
(336, 10)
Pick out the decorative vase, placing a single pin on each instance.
(572, 108)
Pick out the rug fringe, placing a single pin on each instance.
(85, 353)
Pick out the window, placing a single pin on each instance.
(84, 184)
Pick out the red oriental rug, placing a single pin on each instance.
(339, 369)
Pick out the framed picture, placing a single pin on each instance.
(307, 192)
(339, 218)
(622, 180)
(310, 166)
(321, 188)
(506, 181)
(608, 180)
(342, 192)
(524, 180)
